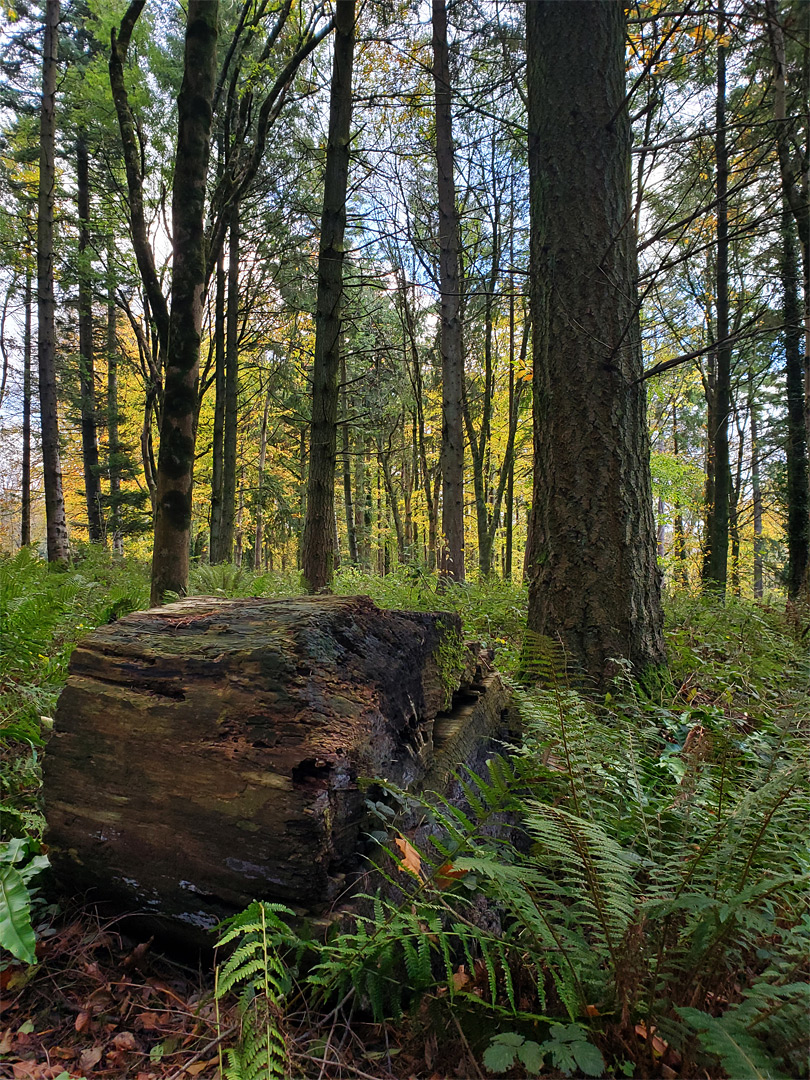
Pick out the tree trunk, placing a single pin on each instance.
(215, 544)
(57, 534)
(510, 479)
(259, 536)
(452, 346)
(360, 529)
(231, 394)
(793, 168)
(25, 499)
(716, 563)
(113, 441)
(239, 533)
(170, 558)
(351, 528)
(756, 487)
(593, 579)
(318, 545)
(796, 448)
(679, 535)
(87, 380)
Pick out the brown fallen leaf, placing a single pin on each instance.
(125, 1040)
(147, 1021)
(200, 1066)
(6, 1041)
(591, 1010)
(411, 862)
(89, 1058)
(31, 1070)
(460, 978)
(82, 1020)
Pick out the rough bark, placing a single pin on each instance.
(348, 507)
(208, 752)
(139, 231)
(25, 498)
(215, 544)
(794, 171)
(756, 486)
(178, 422)
(229, 437)
(796, 443)
(451, 563)
(56, 522)
(87, 379)
(593, 579)
(113, 440)
(717, 538)
(258, 540)
(318, 542)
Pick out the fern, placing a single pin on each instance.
(257, 970)
(739, 1053)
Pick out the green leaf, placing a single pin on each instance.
(531, 1056)
(588, 1058)
(498, 1057)
(16, 932)
(740, 1054)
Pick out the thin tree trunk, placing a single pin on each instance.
(431, 499)
(716, 566)
(57, 534)
(215, 545)
(510, 479)
(756, 487)
(735, 490)
(679, 537)
(360, 531)
(351, 528)
(231, 393)
(113, 440)
(796, 447)
(25, 501)
(257, 545)
(170, 559)
(392, 501)
(452, 345)
(318, 547)
(87, 381)
(239, 532)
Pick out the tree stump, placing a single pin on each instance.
(208, 752)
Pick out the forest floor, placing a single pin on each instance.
(101, 1005)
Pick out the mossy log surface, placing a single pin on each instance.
(207, 753)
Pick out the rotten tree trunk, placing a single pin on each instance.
(208, 752)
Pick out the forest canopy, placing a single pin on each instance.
(717, 205)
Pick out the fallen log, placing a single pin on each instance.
(208, 752)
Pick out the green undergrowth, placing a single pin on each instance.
(644, 914)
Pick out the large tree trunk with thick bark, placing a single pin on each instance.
(210, 752)
(56, 522)
(451, 562)
(593, 579)
(318, 553)
(170, 558)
